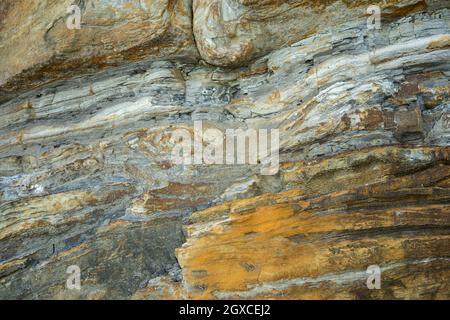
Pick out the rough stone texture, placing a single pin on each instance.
(86, 176)
(231, 32)
(315, 242)
(36, 46)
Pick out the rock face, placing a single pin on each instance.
(87, 175)
(37, 46)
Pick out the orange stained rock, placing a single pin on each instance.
(297, 245)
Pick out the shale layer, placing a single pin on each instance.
(86, 170)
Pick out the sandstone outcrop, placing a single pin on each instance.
(86, 171)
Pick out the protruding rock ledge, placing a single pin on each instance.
(36, 45)
(301, 245)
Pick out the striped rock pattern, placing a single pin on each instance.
(86, 176)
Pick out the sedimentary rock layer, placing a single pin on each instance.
(36, 46)
(304, 243)
(86, 170)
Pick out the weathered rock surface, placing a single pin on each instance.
(86, 176)
(316, 243)
(230, 32)
(36, 46)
